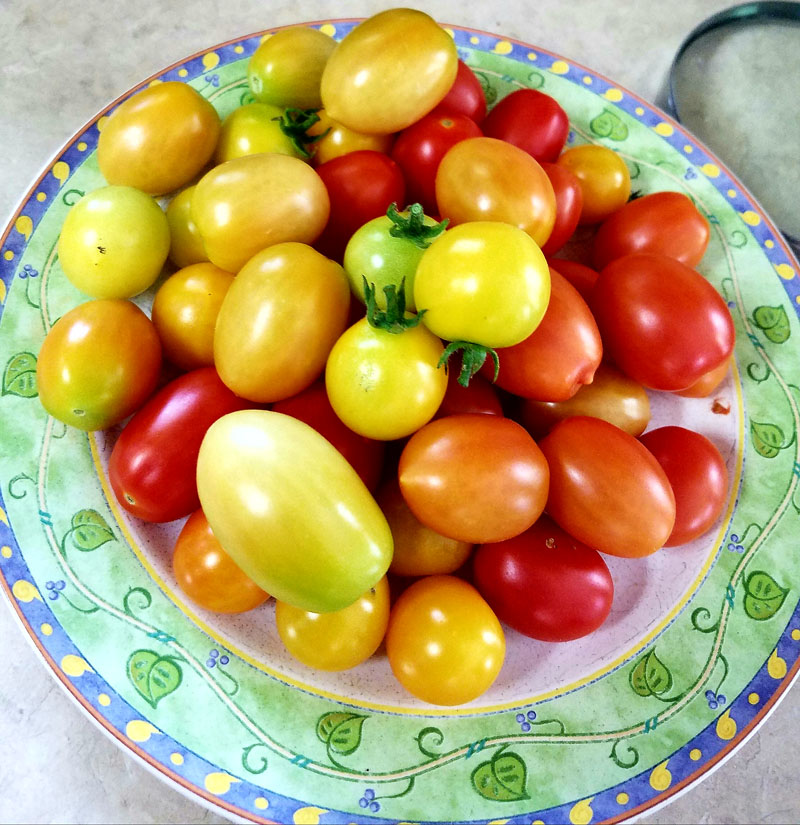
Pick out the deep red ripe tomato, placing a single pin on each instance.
(465, 97)
(474, 477)
(531, 120)
(661, 321)
(663, 223)
(582, 277)
(361, 186)
(544, 583)
(606, 489)
(569, 203)
(152, 466)
(479, 396)
(312, 406)
(420, 148)
(698, 477)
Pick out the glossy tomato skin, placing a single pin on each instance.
(153, 464)
(479, 396)
(698, 476)
(560, 355)
(284, 502)
(569, 204)
(582, 277)
(334, 140)
(98, 364)
(662, 323)
(419, 149)
(474, 477)
(253, 128)
(544, 583)
(186, 245)
(312, 406)
(531, 120)
(606, 489)
(361, 186)
(604, 177)
(207, 574)
(662, 223)
(444, 643)
(466, 96)
(707, 382)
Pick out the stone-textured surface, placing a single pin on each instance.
(61, 63)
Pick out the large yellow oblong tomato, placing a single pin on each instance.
(290, 511)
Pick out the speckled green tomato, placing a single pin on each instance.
(250, 129)
(290, 511)
(114, 242)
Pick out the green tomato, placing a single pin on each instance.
(114, 242)
(251, 129)
(290, 510)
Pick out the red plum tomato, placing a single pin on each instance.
(582, 277)
(466, 96)
(569, 203)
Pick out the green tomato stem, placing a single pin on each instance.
(295, 124)
(473, 357)
(393, 318)
(413, 228)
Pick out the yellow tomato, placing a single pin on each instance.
(338, 140)
(389, 71)
(158, 139)
(604, 178)
(340, 639)
(251, 129)
(186, 245)
(249, 203)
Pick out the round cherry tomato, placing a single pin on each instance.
(544, 583)
(285, 504)
(420, 148)
(582, 277)
(485, 179)
(247, 204)
(265, 347)
(611, 396)
(185, 310)
(418, 550)
(286, 68)
(389, 71)
(662, 323)
(333, 140)
(606, 489)
(207, 574)
(474, 477)
(114, 242)
(158, 139)
(186, 245)
(466, 96)
(444, 643)
(479, 396)
(361, 186)
(253, 128)
(698, 477)
(531, 120)
(340, 639)
(604, 178)
(153, 463)
(662, 223)
(312, 406)
(569, 204)
(98, 364)
(560, 355)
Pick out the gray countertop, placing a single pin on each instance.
(61, 62)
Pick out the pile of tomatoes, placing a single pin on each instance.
(408, 425)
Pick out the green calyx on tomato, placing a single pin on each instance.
(295, 124)
(394, 318)
(473, 357)
(413, 227)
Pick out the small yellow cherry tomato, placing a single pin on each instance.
(604, 179)
(253, 128)
(338, 140)
(186, 245)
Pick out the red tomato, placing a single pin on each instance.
(579, 275)
(152, 465)
(569, 203)
(606, 489)
(312, 406)
(420, 148)
(474, 477)
(707, 382)
(663, 223)
(544, 583)
(662, 322)
(698, 477)
(361, 186)
(465, 97)
(478, 396)
(560, 355)
(531, 120)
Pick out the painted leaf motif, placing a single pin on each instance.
(774, 322)
(19, 377)
(489, 91)
(767, 438)
(608, 124)
(650, 677)
(502, 779)
(763, 596)
(341, 731)
(153, 676)
(89, 530)
(638, 679)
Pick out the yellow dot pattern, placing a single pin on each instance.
(796, 634)
(238, 49)
(664, 129)
(710, 170)
(104, 699)
(5, 551)
(769, 243)
(182, 73)
(502, 47)
(82, 146)
(559, 67)
(587, 80)
(8, 255)
(210, 61)
(639, 111)
(731, 193)
(751, 218)
(614, 95)
(622, 798)
(532, 56)
(328, 29)
(695, 754)
(47, 629)
(40, 196)
(753, 698)
(261, 803)
(688, 149)
(785, 271)
(474, 40)
(176, 758)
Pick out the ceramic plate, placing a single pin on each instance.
(701, 642)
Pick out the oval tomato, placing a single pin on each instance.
(253, 128)
(662, 223)
(474, 477)
(544, 583)
(186, 245)
(606, 489)
(604, 178)
(582, 277)
(479, 396)
(153, 464)
(698, 477)
(444, 643)
(207, 574)
(333, 139)
(466, 96)
(707, 382)
(283, 502)
(569, 205)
